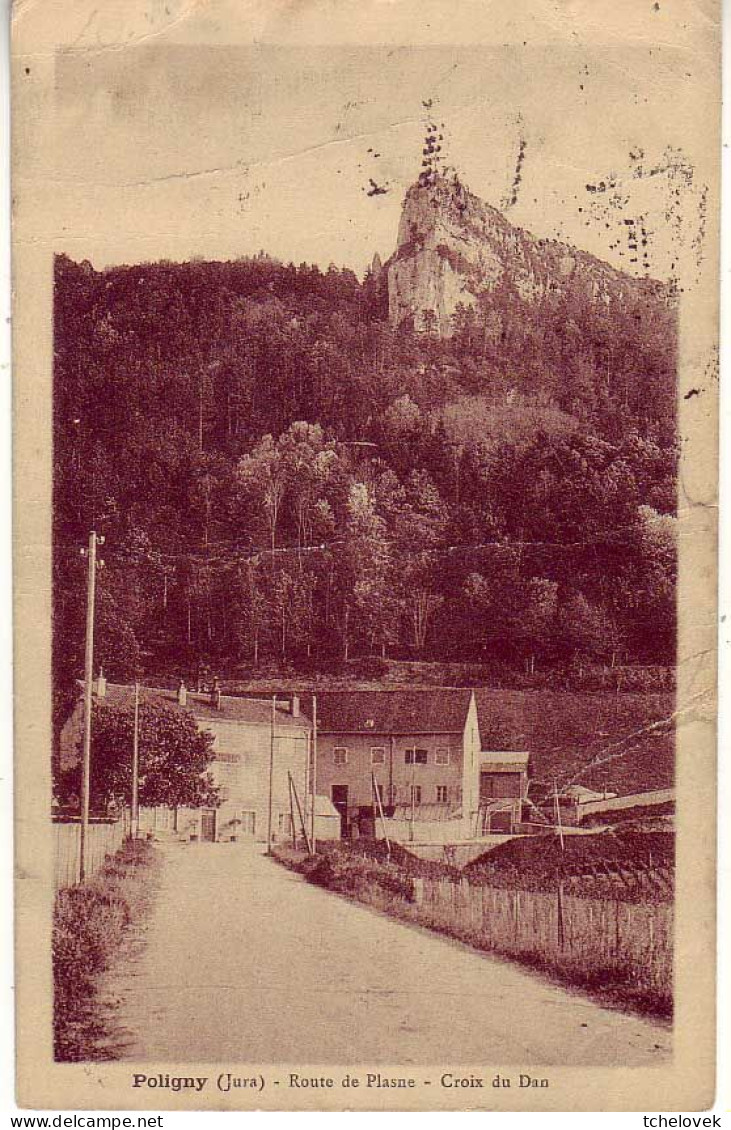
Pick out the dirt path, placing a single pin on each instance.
(246, 962)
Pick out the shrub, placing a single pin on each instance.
(89, 924)
(352, 874)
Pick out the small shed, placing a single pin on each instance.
(503, 789)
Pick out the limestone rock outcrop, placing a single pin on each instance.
(455, 249)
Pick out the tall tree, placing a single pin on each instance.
(263, 479)
(418, 521)
(363, 565)
(174, 757)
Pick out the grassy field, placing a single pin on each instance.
(601, 740)
(91, 921)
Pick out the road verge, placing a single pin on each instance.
(620, 954)
(91, 922)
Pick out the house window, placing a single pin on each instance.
(340, 755)
(415, 757)
(441, 755)
(248, 823)
(162, 817)
(416, 794)
(442, 794)
(378, 755)
(378, 792)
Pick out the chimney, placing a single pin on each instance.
(295, 706)
(182, 694)
(101, 684)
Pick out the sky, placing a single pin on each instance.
(217, 136)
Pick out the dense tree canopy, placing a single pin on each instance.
(283, 476)
(174, 756)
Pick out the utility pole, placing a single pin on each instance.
(558, 813)
(291, 813)
(313, 814)
(413, 790)
(307, 786)
(559, 886)
(303, 824)
(88, 676)
(271, 776)
(135, 828)
(379, 802)
(390, 771)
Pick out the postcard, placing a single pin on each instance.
(365, 417)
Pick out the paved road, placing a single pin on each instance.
(245, 962)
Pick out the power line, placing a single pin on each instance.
(232, 556)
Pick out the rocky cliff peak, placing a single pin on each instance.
(454, 249)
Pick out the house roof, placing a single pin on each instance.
(250, 711)
(583, 795)
(437, 711)
(503, 760)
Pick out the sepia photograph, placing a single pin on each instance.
(380, 409)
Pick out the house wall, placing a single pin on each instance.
(356, 774)
(241, 770)
(421, 831)
(327, 820)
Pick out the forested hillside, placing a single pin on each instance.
(283, 477)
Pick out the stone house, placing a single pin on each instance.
(242, 730)
(419, 748)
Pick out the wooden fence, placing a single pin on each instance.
(627, 942)
(104, 838)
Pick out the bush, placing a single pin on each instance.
(89, 924)
(349, 873)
